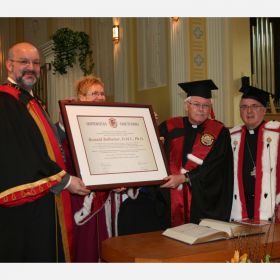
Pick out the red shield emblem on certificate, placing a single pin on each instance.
(113, 122)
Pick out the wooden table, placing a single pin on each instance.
(154, 247)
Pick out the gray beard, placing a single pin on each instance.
(26, 85)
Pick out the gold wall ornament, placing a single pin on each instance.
(198, 49)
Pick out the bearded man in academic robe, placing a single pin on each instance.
(36, 217)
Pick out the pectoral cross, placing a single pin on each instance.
(253, 172)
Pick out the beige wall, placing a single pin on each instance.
(236, 60)
(241, 60)
(158, 98)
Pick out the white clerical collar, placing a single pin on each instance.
(194, 125)
(251, 131)
(13, 82)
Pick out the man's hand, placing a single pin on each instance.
(173, 181)
(77, 186)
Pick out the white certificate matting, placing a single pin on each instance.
(114, 145)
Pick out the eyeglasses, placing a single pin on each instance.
(26, 62)
(95, 94)
(197, 105)
(253, 107)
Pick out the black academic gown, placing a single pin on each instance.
(148, 212)
(212, 182)
(29, 231)
(211, 185)
(24, 157)
(250, 154)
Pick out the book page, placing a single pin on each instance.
(192, 233)
(233, 229)
(229, 228)
(251, 222)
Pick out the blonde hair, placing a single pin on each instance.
(83, 84)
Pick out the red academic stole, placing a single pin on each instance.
(181, 199)
(30, 192)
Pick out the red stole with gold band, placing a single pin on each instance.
(30, 192)
(181, 199)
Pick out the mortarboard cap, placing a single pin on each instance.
(255, 93)
(199, 88)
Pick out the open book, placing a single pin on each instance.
(210, 230)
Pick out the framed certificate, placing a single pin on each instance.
(114, 144)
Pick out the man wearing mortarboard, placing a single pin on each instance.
(200, 159)
(256, 154)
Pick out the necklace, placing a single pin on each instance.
(253, 172)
